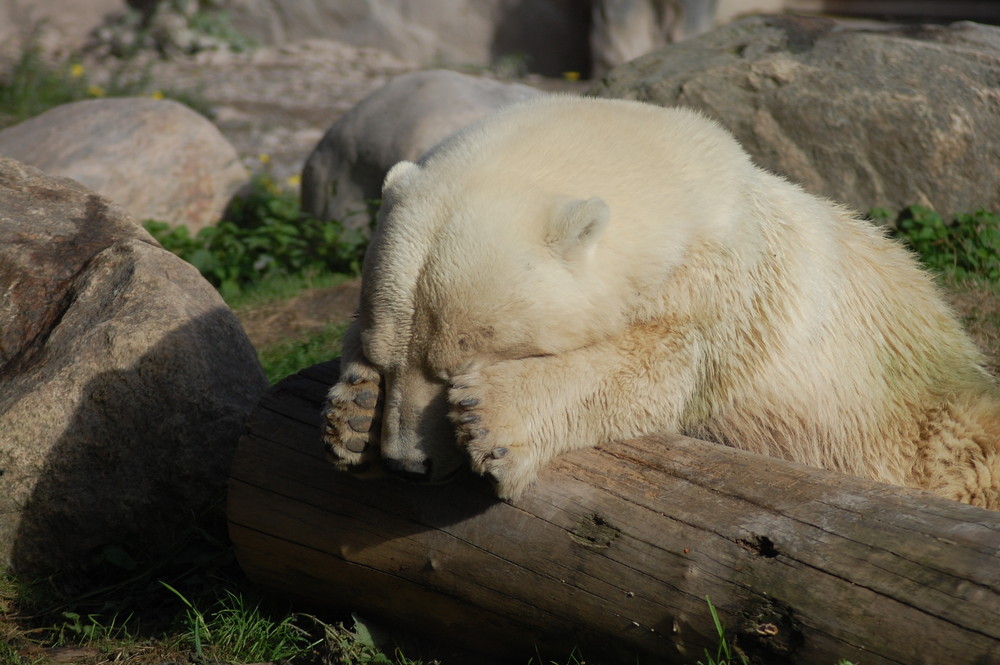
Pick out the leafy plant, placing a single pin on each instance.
(263, 232)
(358, 645)
(967, 246)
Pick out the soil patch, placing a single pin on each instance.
(307, 312)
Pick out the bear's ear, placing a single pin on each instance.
(398, 174)
(576, 226)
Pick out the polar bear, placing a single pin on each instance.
(573, 271)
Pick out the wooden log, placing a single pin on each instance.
(616, 549)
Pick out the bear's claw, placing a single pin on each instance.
(351, 418)
(492, 454)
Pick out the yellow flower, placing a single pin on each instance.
(572, 77)
(264, 158)
(95, 91)
(76, 71)
(157, 94)
(294, 180)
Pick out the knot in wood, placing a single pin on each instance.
(594, 531)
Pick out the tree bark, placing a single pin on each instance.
(616, 549)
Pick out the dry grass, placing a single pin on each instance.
(978, 306)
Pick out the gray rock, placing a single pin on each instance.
(869, 117)
(551, 35)
(622, 30)
(48, 25)
(124, 381)
(157, 158)
(401, 120)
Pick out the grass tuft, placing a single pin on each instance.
(238, 631)
(288, 357)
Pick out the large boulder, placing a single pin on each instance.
(550, 35)
(124, 381)
(869, 117)
(622, 30)
(157, 158)
(400, 120)
(48, 25)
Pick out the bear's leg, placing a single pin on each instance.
(353, 410)
(958, 456)
(514, 416)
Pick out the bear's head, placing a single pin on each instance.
(454, 283)
(544, 228)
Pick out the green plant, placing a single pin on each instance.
(263, 232)
(724, 653)
(92, 629)
(574, 658)
(276, 287)
(968, 246)
(287, 357)
(240, 631)
(358, 645)
(216, 24)
(35, 85)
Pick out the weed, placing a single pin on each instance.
(35, 85)
(574, 658)
(968, 246)
(358, 645)
(171, 27)
(241, 632)
(92, 629)
(724, 653)
(263, 232)
(289, 356)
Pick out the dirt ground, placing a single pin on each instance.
(309, 311)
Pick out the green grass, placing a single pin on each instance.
(35, 85)
(726, 653)
(288, 357)
(237, 630)
(277, 287)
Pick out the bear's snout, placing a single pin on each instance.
(416, 471)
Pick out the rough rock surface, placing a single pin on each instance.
(622, 30)
(125, 380)
(399, 121)
(49, 25)
(278, 100)
(550, 34)
(869, 117)
(157, 158)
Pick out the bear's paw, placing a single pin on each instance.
(351, 418)
(496, 447)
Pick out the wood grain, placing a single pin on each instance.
(616, 549)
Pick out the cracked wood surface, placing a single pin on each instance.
(616, 549)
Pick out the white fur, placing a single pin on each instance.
(572, 271)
